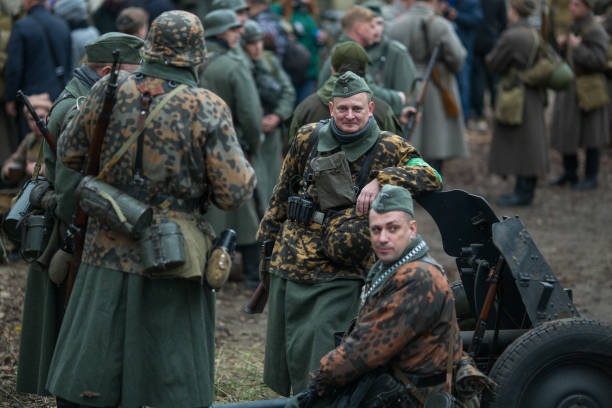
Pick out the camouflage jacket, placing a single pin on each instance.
(406, 322)
(305, 252)
(190, 152)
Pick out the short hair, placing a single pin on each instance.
(354, 15)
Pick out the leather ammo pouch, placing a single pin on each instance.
(510, 101)
(174, 249)
(332, 178)
(592, 91)
(114, 208)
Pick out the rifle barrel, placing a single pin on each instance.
(39, 122)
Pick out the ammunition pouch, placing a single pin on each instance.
(333, 181)
(116, 209)
(36, 232)
(346, 238)
(300, 210)
(220, 259)
(20, 208)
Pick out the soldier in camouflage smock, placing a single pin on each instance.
(405, 324)
(318, 265)
(44, 299)
(127, 339)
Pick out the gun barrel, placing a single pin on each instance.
(39, 122)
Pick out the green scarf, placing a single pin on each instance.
(354, 150)
(181, 75)
(380, 273)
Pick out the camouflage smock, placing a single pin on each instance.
(299, 253)
(190, 152)
(406, 322)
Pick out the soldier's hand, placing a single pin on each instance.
(407, 112)
(367, 195)
(11, 108)
(574, 41)
(270, 122)
(562, 40)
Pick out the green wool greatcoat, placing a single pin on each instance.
(267, 162)
(227, 74)
(44, 300)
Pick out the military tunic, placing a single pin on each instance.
(519, 150)
(227, 74)
(115, 315)
(405, 322)
(315, 108)
(571, 127)
(308, 271)
(437, 136)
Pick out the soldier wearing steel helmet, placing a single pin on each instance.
(127, 339)
(228, 75)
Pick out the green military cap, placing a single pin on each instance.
(524, 7)
(348, 52)
(349, 84)
(236, 5)
(102, 49)
(375, 6)
(219, 21)
(252, 32)
(393, 198)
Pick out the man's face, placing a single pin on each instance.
(243, 15)
(232, 36)
(578, 9)
(351, 114)
(365, 32)
(378, 29)
(391, 233)
(254, 49)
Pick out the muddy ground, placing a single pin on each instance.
(572, 229)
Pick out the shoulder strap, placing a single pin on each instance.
(313, 153)
(450, 360)
(362, 177)
(537, 44)
(135, 135)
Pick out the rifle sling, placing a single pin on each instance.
(136, 134)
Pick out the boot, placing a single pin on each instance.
(569, 175)
(250, 264)
(591, 170)
(522, 195)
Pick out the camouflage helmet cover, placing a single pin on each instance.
(176, 38)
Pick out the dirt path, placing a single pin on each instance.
(573, 230)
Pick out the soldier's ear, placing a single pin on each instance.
(331, 107)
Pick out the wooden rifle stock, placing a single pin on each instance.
(39, 122)
(418, 103)
(258, 301)
(78, 229)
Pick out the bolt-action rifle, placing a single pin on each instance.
(418, 103)
(78, 228)
(260, 297)
(39, 122)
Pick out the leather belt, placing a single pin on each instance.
(429, 381)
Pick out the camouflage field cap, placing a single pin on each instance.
(393, 198)
(176, 38)
(102, 49)
(236, 5)
(348, 52)
(219, 21)
(349, 84)
(524, 7)
(252, 32)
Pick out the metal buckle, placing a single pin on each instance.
(318, 217)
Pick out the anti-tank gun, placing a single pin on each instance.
(517, 321)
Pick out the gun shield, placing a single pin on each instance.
(116, 209)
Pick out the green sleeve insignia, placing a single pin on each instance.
(417, 161)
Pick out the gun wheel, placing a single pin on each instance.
(565, 363)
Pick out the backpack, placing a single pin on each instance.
(296, 62)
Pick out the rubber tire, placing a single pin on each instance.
(560, 364)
